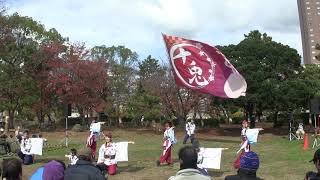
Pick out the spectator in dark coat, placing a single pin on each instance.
(249, 164)
(84, 169)
(11, 169)
(3, 141)
(316, 161)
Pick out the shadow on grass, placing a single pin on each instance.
(130, 168)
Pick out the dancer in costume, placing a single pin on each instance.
(190, 128)
(108, 153)
(169, 140)
(247, 140)
(92, 144)
(95, 130)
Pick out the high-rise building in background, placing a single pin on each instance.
(309, 15)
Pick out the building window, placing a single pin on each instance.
(312, 40)
(311, 35)
(313, 58)
(313, 52)
(311, 29)
(307, 2)
(309, 13)
(318, 7)
(312, 47)
(308, 7)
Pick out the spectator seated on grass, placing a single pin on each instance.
(25, 147)
(3, 142)
(18, 133)
(188, 157)
(53, 170)
(316, 161)
(12, 169)
(84, 169)
(249, 164)
(14, 144)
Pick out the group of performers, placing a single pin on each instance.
(108, 151)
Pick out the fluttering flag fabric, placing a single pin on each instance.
(203, 68)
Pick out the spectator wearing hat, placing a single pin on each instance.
(188, 157)
(53, 170)
(11, 169)
(249, 164)
(84, 169)
(316, 161)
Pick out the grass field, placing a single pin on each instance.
(279, 158)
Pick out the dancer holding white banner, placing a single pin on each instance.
(110, 153)
(169, 140)
(95, 129)
(248, 136)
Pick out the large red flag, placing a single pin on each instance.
(203, 68)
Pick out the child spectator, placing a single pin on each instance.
(72, 156)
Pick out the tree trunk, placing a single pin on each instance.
(250, 115)
(82, 117)
(11, 119)
(258, 115)
(275, 120)
(120, 121)
(181, 121)
(201, 120)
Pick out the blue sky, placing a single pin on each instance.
(138, 24)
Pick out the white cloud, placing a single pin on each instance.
(138, 24)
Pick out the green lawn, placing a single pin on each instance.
(279, 158)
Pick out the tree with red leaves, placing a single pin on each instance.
(78, 79)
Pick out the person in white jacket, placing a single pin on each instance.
(300, 132)
(25, 148)
(190, 128)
